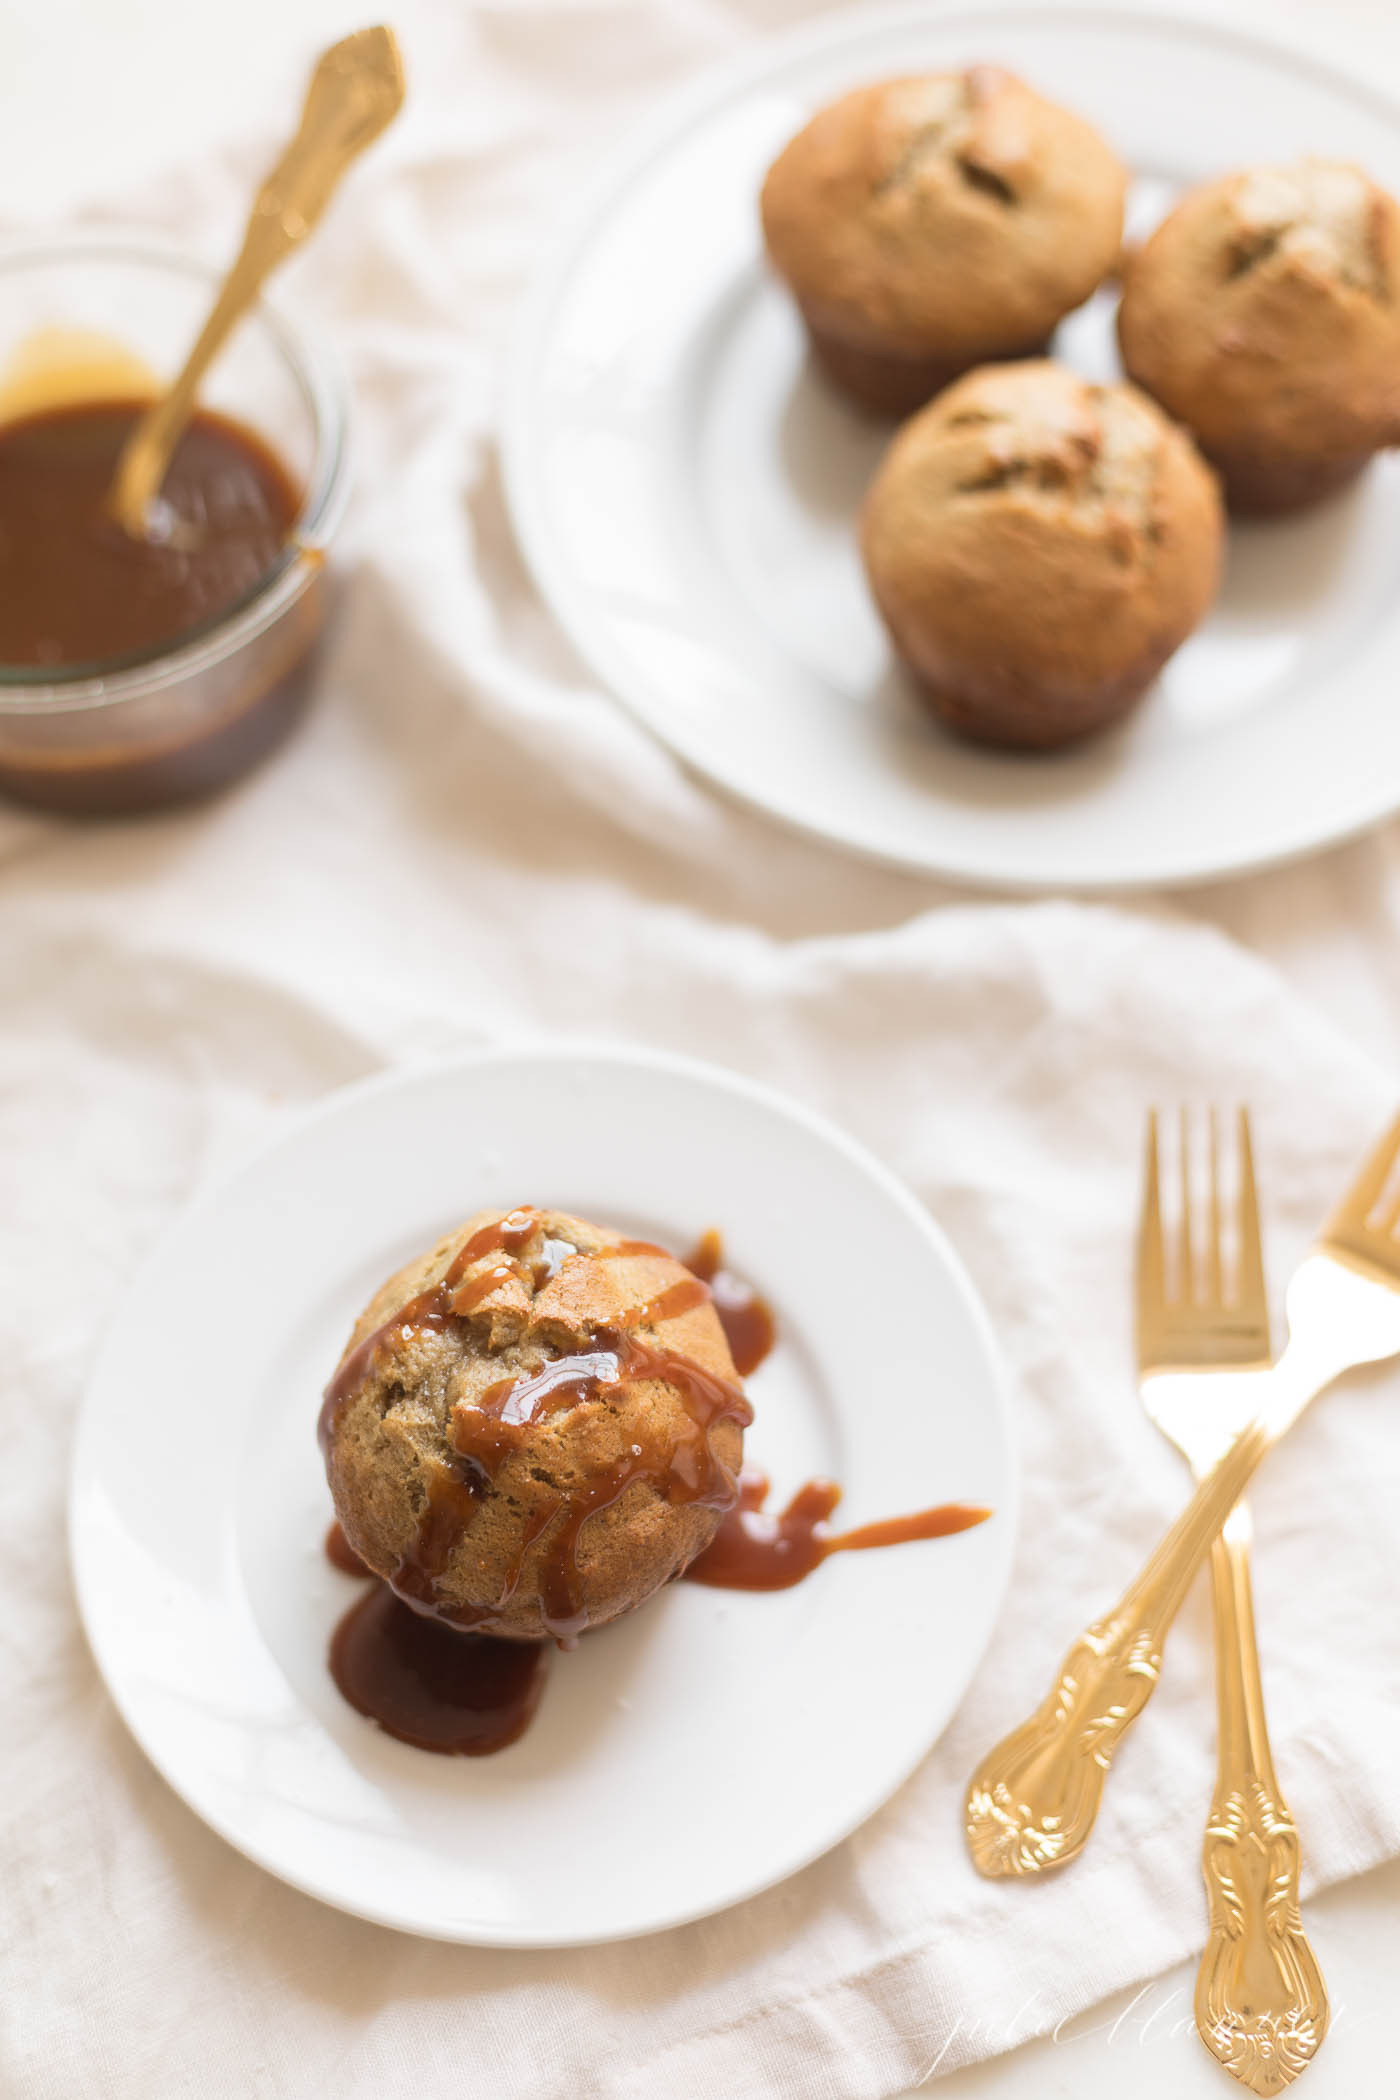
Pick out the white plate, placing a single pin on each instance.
(693, 1753)
(684, 488)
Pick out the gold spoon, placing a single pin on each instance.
(356, 90)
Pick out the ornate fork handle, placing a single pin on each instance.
(1261, 2005)
(1033, 1799)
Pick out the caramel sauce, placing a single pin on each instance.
(748, 1323)
(448, 1508)
(75, 588)
(467, 1296)
(461, 1694)
(677, 1298)
(77, 592)
(753, 1550)
(341, 1554)
(936, 1523)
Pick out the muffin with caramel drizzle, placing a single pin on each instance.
(534, 1426)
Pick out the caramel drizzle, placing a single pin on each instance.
(342, 1555)
(749, 1326)
(431, 1309)
(755, 1551)
(683, 1468)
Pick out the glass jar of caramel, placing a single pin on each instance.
(134, 675)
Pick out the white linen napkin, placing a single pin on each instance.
(470, 842)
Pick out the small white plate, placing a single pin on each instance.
(698, 1750)
(685, 489)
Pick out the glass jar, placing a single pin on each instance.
(88, 316)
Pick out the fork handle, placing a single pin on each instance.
(1033, 1799)
(1261, 2005)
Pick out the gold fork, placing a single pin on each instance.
(1033, 1799)
(1261, 2005)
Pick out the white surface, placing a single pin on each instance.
(210, 1612)
(468, 841)
(687, 488)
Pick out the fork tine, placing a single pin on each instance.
(1186, 1322)
(1362, 1197)
(1186, 1263)
(1151, 1266)
(1215, 1284)
(1253, 1291)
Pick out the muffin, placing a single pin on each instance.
(533, 1426)
(930, 224)
(1264, 313)
(1037, 548)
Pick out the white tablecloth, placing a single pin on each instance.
(471, 842)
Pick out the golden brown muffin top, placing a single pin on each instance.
(534, 1425)
(1043, 541)
(947, 212)
(1265, 312)
(1033, 438)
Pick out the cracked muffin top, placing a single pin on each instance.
(951, 214)
(534, 1425)
(1038, 546)
(1045, 438)
(1264, 312)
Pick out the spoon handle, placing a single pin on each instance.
(356, 90)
